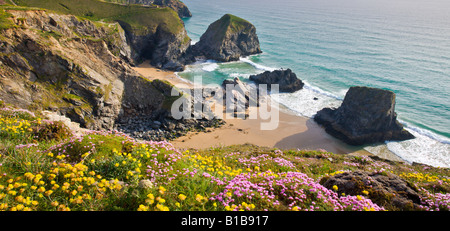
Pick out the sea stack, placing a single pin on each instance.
(366, 116)
(228, 39)
(286, 79)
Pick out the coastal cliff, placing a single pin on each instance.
(153, 33)
(77, 67)
(228, 39)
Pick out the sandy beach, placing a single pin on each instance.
(293, 131)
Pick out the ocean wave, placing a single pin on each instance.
(256, 65)
(422, 149)
(210, 66)
(308, 101)
(323, 92)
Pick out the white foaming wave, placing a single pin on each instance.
(257, 66)
(322, 92)
(210, 66)
(427, 133)
(422, 149)
(306, 102)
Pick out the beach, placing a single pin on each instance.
(293, 131)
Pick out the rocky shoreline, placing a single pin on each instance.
(167, 129)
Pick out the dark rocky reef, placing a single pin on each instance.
(227, 39)
(366, 116)
(286, 79)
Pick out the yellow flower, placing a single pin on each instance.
(151, 196)
(162, 189)
(142, 208)
(335, 187)
(295, 208)
(365, 192)
(182, 197)
(199, 198)
(48, 193)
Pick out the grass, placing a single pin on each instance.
(137, 17)
(5, 23)
(110, 171)
(228, 24)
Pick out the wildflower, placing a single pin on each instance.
(142, 208)
(335, 187)
(199, 198)
(365, 192)
(161, 189)
(48, 193)
(182, 197)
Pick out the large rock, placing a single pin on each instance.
(286, 79)
(367, 115)
(228, 39)
(385, 189)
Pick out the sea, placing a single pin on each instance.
(398, 45)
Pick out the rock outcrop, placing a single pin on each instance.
(238, 96)
(286, 79)
(384, 189)
(228, 39)
(366, 116)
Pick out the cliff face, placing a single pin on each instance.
(154, 33)
(227, 39)
(367, 115)
(79, 68)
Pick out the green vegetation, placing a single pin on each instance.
(111, 171)
(5, 22)
(137, 17)
(228, 24)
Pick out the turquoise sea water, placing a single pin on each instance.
(399, 45)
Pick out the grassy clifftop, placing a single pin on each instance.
(139, 17)
(44, 167)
